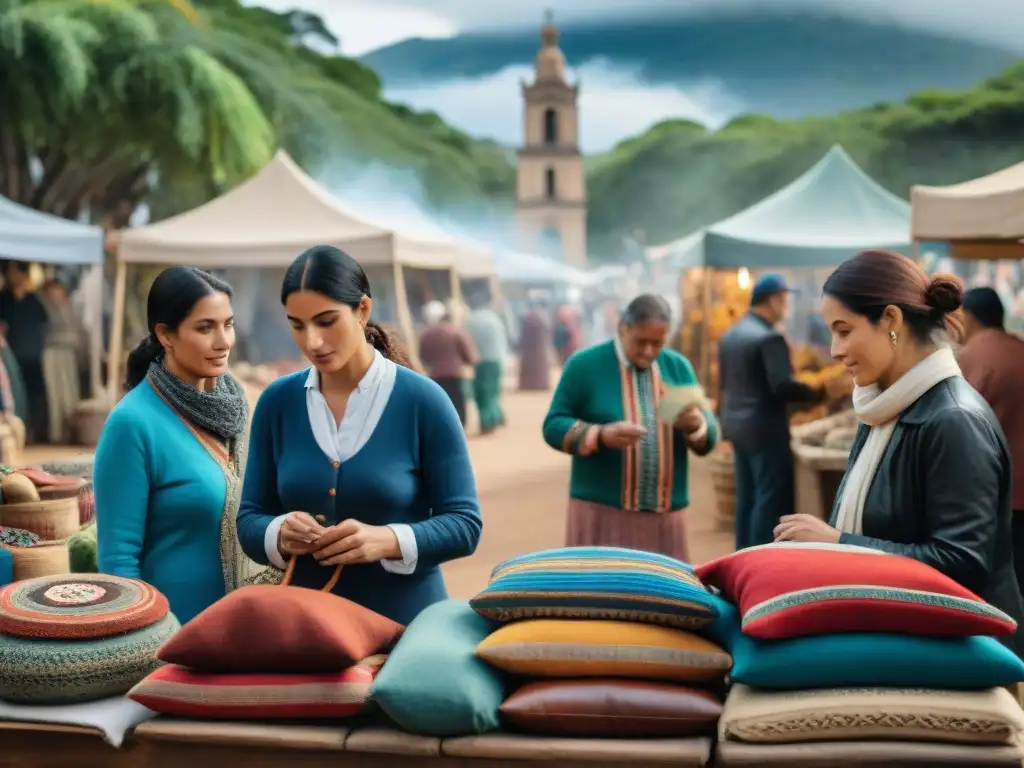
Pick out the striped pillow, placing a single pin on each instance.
(597, 583)
(796, 589)
(175, 690)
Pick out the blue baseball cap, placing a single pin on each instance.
(767, 286)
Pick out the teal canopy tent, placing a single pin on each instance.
(823, 218)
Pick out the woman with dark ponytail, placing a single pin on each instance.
(169, 462)
(358, 461)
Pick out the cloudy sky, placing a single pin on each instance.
(614, 103)
(364, 25)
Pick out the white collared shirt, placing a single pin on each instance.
(340, 442)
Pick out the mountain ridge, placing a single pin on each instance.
(821, 62)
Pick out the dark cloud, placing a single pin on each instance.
(998, 21)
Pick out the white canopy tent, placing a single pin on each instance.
(266, 222)
(30, 235)
(982, 218)
(532, 270)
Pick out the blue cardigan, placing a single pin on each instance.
(159, 501)
(414, 469)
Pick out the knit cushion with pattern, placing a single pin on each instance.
(46, 671)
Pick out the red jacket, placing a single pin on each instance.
(993, 363)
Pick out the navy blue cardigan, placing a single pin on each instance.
(414, 469)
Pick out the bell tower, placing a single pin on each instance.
(551, 195)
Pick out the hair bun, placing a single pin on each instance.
(945, 293)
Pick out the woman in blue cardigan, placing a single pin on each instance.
(167, 469)
(358, 461)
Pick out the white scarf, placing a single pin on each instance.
(880, 410)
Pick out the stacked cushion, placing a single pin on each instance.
(596, 583)
(602, 637)
(271, 652)
(840, 643)
(433, 683)
(989, 717)
(73, 639)
(787, 589)
(175, 690)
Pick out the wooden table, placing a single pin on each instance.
(174, 743)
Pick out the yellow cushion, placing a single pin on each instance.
(583, 648)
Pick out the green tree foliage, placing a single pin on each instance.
(112, 103)
(678, 176)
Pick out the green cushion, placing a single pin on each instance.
(38, 671)
(433, 683)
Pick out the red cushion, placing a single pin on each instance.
(267, 628)
(174, 690)
(793, 589)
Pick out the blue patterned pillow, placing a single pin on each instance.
(865, 660)
(597, 583)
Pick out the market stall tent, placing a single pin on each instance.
(824, 217)
(30, 235)
(981, 219)
(530, 269)
(266, 222)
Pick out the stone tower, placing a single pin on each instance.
(551, 195)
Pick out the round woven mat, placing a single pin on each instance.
(78, 606)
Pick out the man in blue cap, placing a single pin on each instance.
(757, 387)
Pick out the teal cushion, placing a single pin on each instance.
(433, 683)
(597, 583)
(6, 567)
(866, 660)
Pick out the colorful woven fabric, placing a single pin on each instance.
(567, 648)
(79, 606)
(787, 590)
(597, 583)
(53, 672)
(16, 537)
(175, 690)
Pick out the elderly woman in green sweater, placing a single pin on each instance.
(629, 469)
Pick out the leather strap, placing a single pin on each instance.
(290, 570)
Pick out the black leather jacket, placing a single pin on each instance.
(757, 386)
(942, 495)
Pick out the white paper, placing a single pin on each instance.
(113, 717)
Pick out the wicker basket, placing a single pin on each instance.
(723, 478)
(49, 520)
(71, 490)
(47, 558)
(90, 416)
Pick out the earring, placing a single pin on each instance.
(892, 338)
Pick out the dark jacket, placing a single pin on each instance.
(757, 385)
(942, 494)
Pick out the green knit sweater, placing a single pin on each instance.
(595, 388)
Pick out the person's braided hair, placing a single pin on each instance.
(388, 344)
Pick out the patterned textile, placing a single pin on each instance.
(790, 589)
(648, 466)
(597, 583)
(16, 537)
(854, 714)
(620, 649)
(79, 606)
(837, 660)
(174, 690)
(37, 671)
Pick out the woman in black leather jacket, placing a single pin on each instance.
(929, 475)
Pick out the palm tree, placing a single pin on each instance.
(107, 97)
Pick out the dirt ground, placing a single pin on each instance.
(523, 485)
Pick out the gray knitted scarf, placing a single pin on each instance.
(222, 411)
